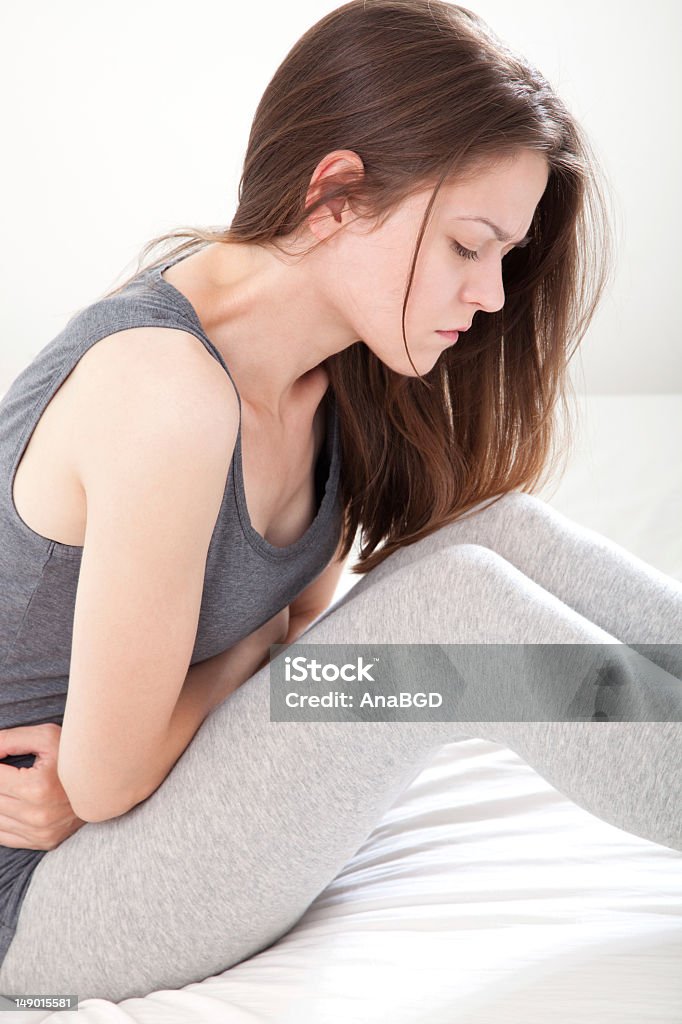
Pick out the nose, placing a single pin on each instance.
(483, 286)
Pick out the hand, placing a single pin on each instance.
(35, 813)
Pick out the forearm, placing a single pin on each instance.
(298, 623)
(197, 698)
(206, 685)
(141, 771)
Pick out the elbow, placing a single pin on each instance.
(97, 812)
(92, 810)
(93, 807)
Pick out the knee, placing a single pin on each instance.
(430, 574)
(492, 525)
(476, 558)
(443, 594)
(516, 506)
(514, 521)
(478, 574)
(485, 530)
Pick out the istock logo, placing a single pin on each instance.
(299, 669)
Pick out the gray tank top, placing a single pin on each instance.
(247, 580)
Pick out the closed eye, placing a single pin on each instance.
(467, 254)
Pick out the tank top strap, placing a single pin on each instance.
(328, 469)
(181, 305)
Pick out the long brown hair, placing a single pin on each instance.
(424, 92)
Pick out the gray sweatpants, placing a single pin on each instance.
(257, 817)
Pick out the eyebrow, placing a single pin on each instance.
(500, 235)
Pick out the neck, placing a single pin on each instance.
(269, 323)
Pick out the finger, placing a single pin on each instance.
(20, 842)
(21, 812)
(28, 739)
(11, 809)
(32, 790)
(10, 824)
(10, 782)
(60, 820)
(24, 837)
(12, 841)
(34, 785)
(25, 807)
(16, 834)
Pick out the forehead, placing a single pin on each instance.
(505, 192)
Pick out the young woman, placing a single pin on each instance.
(378, 342)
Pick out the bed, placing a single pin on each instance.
(484, 894)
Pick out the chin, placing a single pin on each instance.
(405, 369)
(424, 359)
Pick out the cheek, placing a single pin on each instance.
(434, 285)
(369, 299)
(382, 284)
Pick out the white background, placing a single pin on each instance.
(124, 120)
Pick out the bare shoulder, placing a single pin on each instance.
(139, 354)
(151, 379)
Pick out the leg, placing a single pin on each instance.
(257, 817)
(590, 573)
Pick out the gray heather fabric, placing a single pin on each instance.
(247, 580)
(257, 816)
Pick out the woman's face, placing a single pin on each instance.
(459, 267)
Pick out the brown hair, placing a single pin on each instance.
(424, 92)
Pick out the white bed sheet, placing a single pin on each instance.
(484, 894)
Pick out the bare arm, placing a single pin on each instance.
(208, 683)
(316, 597)
(153, 462)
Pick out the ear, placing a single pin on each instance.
(334, 167)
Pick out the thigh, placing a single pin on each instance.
(600, 580)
